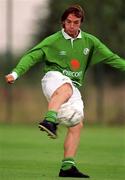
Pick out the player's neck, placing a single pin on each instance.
(73, 35)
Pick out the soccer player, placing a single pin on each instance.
(67, 55)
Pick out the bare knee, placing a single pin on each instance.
(77, 128)
(81, 125)
(65, 91)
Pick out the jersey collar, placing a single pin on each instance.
(66, 36)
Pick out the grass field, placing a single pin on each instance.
(28, 154)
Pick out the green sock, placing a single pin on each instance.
(51, 116)
(67, 163)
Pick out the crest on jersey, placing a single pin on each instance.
(86, 51)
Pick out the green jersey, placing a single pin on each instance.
(71, 57)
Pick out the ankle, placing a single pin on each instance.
(67, 163)
(51, 116)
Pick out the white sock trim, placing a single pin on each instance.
(71, 162)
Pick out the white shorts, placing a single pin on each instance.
(51, 82)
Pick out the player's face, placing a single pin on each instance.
(72, 25)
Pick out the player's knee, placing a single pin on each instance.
(67, 90)
(81, 124)
(76, 128)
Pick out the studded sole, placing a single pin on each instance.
(50, 134)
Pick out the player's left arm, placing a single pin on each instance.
(116, 62)
(103, 54)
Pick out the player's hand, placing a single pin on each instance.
(9, 79)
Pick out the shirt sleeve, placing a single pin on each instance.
(32, 57)
(103, 54)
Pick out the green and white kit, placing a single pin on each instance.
(71, 57)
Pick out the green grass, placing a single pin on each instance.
(27, 154)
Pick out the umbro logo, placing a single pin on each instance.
(62, 53)
(86, 51)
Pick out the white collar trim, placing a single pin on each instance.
(66, 36)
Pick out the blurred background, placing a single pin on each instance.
(24, 23)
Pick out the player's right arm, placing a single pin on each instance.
(27, 61)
